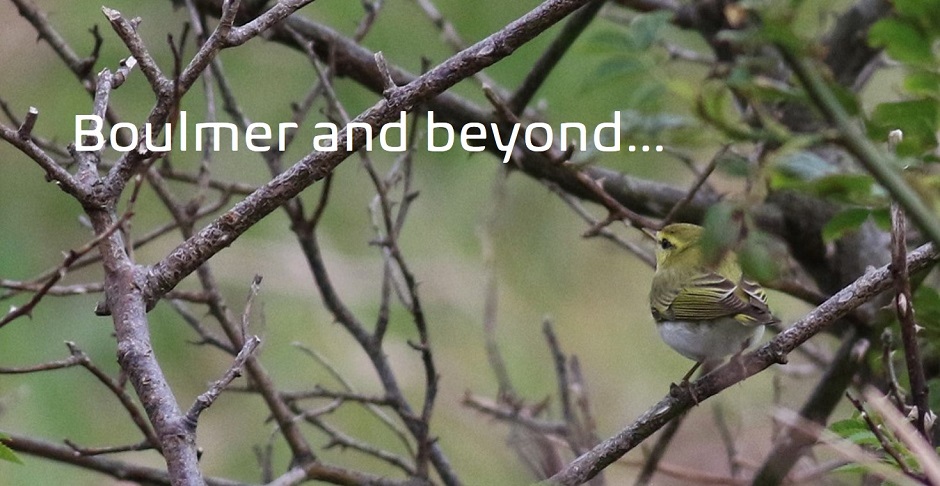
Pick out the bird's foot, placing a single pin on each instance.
(676, 390)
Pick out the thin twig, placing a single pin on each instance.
(70, 257)
(639, 251)
(699, 182)
(206, 399)
(119, 470)
(550, 58)
(727, 439)
(907, 434)
(890, 375)
(351, 390)
(514, 415)
(652, 463)
(97, 451)
(491, 296)
(880, 435)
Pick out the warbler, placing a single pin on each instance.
(704, 310)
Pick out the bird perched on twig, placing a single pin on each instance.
(704, 310)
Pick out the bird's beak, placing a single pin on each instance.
(648, 232)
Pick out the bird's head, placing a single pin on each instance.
(673, 244)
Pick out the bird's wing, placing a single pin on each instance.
(757, 298)
(712, 296)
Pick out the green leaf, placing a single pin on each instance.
(7, 454)
(903, 42)
(645, 28)
(714, 106)
(855, 430)
(647, 95)
(805, 172)
(927, 307)
(847, 188)
(851, 468)
(768, 90)
(608, 41)
(882, 218)
(843, 222)
(925, 13)
(846, 97)
(620, 67)
(755, 258)
(722, 230)
(733, 164)
(641, 34)
(780, 30)
(922, 83)
(918, 119)
(636, 122)
(803, 165)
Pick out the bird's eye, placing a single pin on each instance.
(666, 244)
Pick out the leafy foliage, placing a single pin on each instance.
(909, 38)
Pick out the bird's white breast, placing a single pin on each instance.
(700, 341)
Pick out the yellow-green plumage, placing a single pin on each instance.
(703, 310)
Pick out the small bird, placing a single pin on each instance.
(703, 310)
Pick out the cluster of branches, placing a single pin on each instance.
(843, 279)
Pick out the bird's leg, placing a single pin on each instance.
(685, 379)
(737, 359)
(674, 389)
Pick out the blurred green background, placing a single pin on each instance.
(594, 292)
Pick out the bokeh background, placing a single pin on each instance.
(593, 291)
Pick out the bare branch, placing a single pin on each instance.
(352, 394)
(97, 451)
(47, 366)
(54, 171)
(127, 31)
(514, 415)
(598, 229)
(37, 18)
(119, 470)
(70, 257)
(555, 52)
(695, 187)
(382, 66)
(219, 234)
(26, 129)
(491, 300)
(206, 399)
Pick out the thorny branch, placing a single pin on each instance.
(904, 305)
